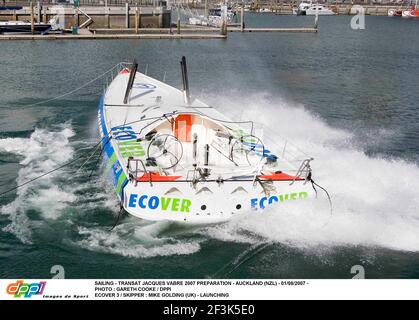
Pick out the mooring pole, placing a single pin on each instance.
(38, 11)
(139, 17)
(224, 20)
(136, 19)
(44, 15)
(32, 18)
(178, 21)
(316, 20)
(242, 18)
(75, 22)
(107, 22)
(126, 15)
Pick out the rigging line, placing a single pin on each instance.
(100, 154)
(41, 176)
(327, 193)
(87, 160)
(49, 172)
(165, 115)
(72, 91)
(243, 257)
(120, 213)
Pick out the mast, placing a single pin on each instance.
(185, 80)
(130, 81)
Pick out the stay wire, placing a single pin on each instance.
(51, 171)
(72, 91)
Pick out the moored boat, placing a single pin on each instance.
(395, 12)
(25, 27)
(412, 12)
(308, 8)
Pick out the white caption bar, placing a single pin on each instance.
(21, 289)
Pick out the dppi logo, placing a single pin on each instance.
(27, 290)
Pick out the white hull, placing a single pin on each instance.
(307, 8)
(322, 13)
(188, 163)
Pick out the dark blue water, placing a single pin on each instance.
(349, 98)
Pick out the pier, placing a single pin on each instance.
(96, 23)
(154, 33)
(192, 36)
(93, 16)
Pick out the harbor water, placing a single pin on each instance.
(348, 98)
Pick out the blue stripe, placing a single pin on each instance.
(109, 150)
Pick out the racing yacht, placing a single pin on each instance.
(172, 157)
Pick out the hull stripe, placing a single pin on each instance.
(113, 165)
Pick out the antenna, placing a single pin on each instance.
(185, 80)
(130, 81)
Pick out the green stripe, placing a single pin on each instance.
(121, 181)
(112, 159)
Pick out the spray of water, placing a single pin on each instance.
(70, 198)
(134, 238)
(41, 152)
(375, 199)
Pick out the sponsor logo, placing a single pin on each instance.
(126, 138)
(162, 203)
(264, 201)
(144, 86)
(22, 289)
(251, 144)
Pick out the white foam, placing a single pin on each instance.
(43, 151)
(375, 199)
(135, 239)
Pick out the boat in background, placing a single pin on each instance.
(215, 16)
(308, 8)
(318, 9)
(25, 27)
(394, 12)
(10, 8)
(174, 158)
(265, 10)
(411, 13)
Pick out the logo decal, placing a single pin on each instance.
(153, 202)
(262, 202)
(127, 142)
(27, 290)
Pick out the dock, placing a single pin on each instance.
(292, 30)
(125, 22)
(191, 36)
(185, 32)
(156, 33)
